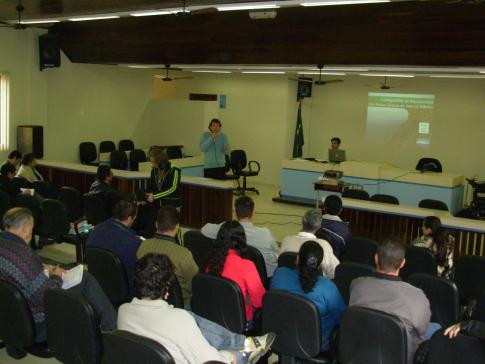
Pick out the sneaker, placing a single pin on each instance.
(257, 346)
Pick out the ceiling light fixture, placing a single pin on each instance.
(457, 76)
(343, 2)
(101, 17)
(211, 71)
(386, 75)
(151, 13)
(323, 73)
(344, 69)
(248, 7)
(265, 72)
(40, 21)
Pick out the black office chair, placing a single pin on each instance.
(5, 203)
(73, 331)
(379, 197)
(219, 300)
(88, 153)
(429, 165)
(137, 156)
(174, 152)
(94, 209)
(355, 194)
(239, 163)
(433, 204)
(461, 349)
(346, 272)
(418, 260)
(46, 189)
(20, 182)
(17, 325)
(442, 295)
(118, 160)
(371, 336)
(31, 203)
(287, 259)
(296, 322)
(108, 270)
(71, 197)
(200, 246)
(360, 250)
(470, 277)
(126, 145)
(56, 226)
(107, 146)
(257, 258)
(175, 297)
(123, 347)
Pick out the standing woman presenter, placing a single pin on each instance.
(215, 146)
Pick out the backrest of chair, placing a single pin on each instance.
(107, 146)
(346, 272)
(45, 189)
(200, 246)
(238, 159)
(429, 164)
(470, 277)
(418, 260)
(87, 152)
(442, 295)
(360, 250)
(5, 203)
(55, 221)
(94, 209)
(219, 300)
(73, 332)
(123, 347)
(461, 349)
(108, 270)
(28, 201)
(72, 200)
(175, 297)
(433, 204)
(174, 152)
(137, 156)
(17, 325)
(257, 258)
(118, 160)
(287, 259)
(295, 321)
(21, 182)
(379, 197)
(355, 194)
(371, 336)
(126, 144)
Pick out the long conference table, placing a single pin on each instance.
(203, 200)
(410, 187)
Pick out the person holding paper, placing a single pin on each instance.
(22, 267)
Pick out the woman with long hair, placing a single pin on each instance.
(440, 242)
(229, 261)
(307, 280)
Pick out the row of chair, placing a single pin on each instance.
(364, 195)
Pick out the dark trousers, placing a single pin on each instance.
(216, 173)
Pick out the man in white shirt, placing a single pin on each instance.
(258, 237)
(310, 224)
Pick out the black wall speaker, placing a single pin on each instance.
(30, 139)
(49, 51)
(304, 88)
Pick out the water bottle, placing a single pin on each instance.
(85, 227)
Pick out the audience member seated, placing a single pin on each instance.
(440, 242)
(472, 328)
(168, 224)
(22, 267)
(102, 184)
(385, 291)
(258, 237)
(7, 174)
(333, 229)
(116, 236)
(189, 338)
(229, 261)
(27, 169)
(311, 222)
(307, 281)
(14, 158)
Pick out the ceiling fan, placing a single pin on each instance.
(318, 82)
(167, 77)
(186, 12)
(18, 25)
(386, 85)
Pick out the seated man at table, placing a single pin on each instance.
(116, 236)
(14, 158)
(27, 169)
(310, 224)
(164, 242)
(102, 184)
(333, 229)
(22, 267)
(258, 237)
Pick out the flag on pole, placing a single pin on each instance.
(299, 141)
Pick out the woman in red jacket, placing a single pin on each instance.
(228, 261)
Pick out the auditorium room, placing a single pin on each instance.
(242, 181)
